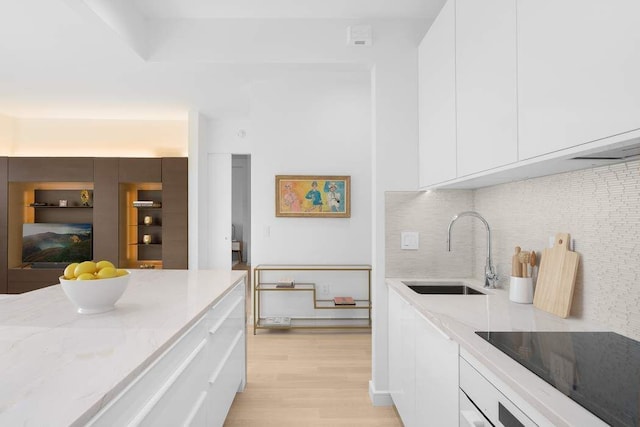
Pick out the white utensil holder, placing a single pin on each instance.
(521, 290)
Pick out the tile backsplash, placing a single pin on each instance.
(599, 208)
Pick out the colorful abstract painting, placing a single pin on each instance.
(313, 196)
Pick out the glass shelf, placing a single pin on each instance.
(319, 323)
(328, 304)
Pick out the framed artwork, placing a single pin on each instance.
(315, 196)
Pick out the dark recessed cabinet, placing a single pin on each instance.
(100, 192)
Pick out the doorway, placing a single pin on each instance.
(241, 218)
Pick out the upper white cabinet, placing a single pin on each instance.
(578, 72)
(486, 87)
(524, 86)
(437, 109)
(578, 68)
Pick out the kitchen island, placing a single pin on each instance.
(172, 331)
(455, 320)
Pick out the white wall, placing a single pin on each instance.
(311, 127)
(7, 131)
(93, 137)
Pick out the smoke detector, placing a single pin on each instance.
(359, 35)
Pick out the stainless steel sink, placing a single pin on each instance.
(441, 288)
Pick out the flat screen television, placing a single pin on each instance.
(54, 245)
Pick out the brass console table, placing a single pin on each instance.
(285, 322)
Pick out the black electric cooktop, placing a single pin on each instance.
(598, 370)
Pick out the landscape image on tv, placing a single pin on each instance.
(47, 242)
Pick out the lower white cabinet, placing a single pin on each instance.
(402, 357)
(423, 367)
(194, 381)
(436, 376)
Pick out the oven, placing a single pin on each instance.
(483, 405)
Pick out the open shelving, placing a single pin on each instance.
(136, 252)
(320, 319)
(39, 202)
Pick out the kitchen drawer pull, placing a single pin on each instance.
(167, 385)
(224, 317)
(196, 408)
(473, 419)
(226, 357)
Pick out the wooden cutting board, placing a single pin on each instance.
(557, 277)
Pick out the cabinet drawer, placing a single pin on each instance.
(127, 405)
(177, 400)
(220, 309)
(225, 381)
(203, 369)
(223, 331)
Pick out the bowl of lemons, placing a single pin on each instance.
(94, 287)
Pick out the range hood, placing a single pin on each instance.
(620, 151)
(622, 154)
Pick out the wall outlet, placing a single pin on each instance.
(410, 240)
(324, 289)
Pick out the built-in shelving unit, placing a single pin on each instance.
(32, 188)
(320, 297)
(143, 225)
(40, 202)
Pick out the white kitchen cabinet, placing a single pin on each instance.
(195, 380)
(486, 87)
(436, 95)
(423, 367)
(578, 68)
(436, 376)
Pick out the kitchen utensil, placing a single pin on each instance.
(523, 257)
(516, 266)
(557, 277)
(532, 260)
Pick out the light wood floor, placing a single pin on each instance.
(308, 378)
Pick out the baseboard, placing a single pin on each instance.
(379, 398)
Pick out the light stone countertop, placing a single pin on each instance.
(460, 316)
(58, 367)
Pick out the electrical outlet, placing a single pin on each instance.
(324, 289)
(410, 240)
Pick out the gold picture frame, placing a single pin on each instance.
(313, 196)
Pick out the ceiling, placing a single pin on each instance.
(99, 58)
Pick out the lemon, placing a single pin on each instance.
(106, 273)
(84, 267)
(121, 272)
(102, 264)
(69, 271)
(86, 276)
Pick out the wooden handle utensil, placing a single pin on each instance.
(516, 266)
(524, 257)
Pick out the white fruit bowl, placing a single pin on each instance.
(95, 296)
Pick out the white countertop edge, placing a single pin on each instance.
(533, 393)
